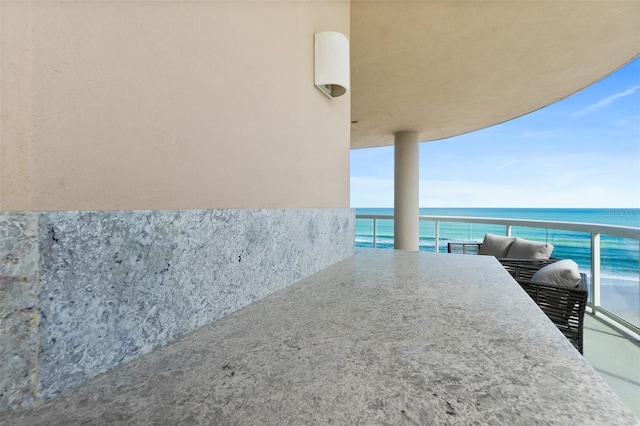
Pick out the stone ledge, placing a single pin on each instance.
(115, 285)
(383, 337)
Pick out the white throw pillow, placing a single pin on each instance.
(563, 273)
(525, 249)
(496, 245)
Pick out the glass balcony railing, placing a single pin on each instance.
(608, 255)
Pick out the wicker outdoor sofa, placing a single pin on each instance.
(564, 306)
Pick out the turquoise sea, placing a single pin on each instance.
(620, 257)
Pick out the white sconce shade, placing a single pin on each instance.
(332, 63)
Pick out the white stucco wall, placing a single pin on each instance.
(169, 105)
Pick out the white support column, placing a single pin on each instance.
(406, 191)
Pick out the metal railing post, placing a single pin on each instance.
(374, 232)
(595, 269)
(436, 224)
(508, 230)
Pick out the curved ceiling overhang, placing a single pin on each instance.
(444, 68)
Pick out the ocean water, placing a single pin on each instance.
(620, 257)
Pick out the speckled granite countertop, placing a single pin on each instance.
(384, 337)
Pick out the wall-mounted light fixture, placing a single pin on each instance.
(332, 63)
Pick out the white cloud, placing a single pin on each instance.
(607, 101)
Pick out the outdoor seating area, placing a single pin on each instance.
(556, 286)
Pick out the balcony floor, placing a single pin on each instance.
(616, 358)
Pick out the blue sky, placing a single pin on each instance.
(583, 151)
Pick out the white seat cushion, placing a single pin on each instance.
(525, 249)
(563, 273)
(496, 245)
